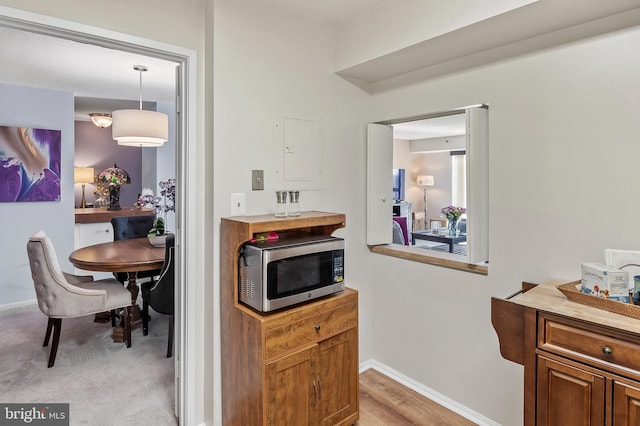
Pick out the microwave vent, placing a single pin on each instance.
(247, 288)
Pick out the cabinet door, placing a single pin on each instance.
(290, 396)
(338, 377)
(568, 396)
(88, 234)
(626, 404)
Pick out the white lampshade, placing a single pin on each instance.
(83, 175)
(425, 180)
(100, 119)
(138, 127)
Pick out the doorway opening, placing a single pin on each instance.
(185, 167)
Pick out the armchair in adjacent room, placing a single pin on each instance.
(400, 230)
(61, 295)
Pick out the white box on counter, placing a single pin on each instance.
(605, 281)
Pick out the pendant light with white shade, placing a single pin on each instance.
(138, 127)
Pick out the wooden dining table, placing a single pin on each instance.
(129, 256)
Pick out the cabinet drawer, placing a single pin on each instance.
(311, 329)
(583, 342)
(88, 234)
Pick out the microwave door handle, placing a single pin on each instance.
(243, 256)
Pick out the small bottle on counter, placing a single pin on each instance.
(281, 203)
(294, 204)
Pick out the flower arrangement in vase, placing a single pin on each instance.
(161, 204)
(453, 214)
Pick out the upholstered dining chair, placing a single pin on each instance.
(160, 294)
(62, 295)
(128, 227)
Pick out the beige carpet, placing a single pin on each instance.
(104, 382)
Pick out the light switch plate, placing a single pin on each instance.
(257, 180)
(238, 204)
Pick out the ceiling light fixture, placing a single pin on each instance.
(138, 127)
(100, 119)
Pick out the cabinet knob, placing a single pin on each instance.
(607, 350)
(317, 327)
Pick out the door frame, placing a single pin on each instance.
(185, 170)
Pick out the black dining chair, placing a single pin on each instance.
(128, 227)
(160, 294)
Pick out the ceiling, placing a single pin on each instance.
(327, 12)
(102, 79)
(450, 125)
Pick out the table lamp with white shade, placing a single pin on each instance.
(424, 181)
(83, 175)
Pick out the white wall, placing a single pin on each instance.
(438, 165)
(262, 60)
(562, 168)
(44, 109)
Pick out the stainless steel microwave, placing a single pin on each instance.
(277, 274)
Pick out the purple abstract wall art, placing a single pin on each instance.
(29, 164)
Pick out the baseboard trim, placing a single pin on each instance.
(427, 392)
(14, 308)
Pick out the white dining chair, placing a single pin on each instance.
(62, 295)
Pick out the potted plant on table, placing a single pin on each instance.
(453, 214)
(161, 204)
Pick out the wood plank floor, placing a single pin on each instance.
(385, 402)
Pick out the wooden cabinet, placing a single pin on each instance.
(626, 404)
(289, 397)
(568, 396)
(88, 234)
(314, 386)
(296, 366)
(337, 384)
(581, 364)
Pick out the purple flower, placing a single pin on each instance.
(163, 203)
(453, 212)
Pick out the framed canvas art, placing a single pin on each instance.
(29, 164)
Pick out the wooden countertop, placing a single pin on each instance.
(101, 214)
(546, 297)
